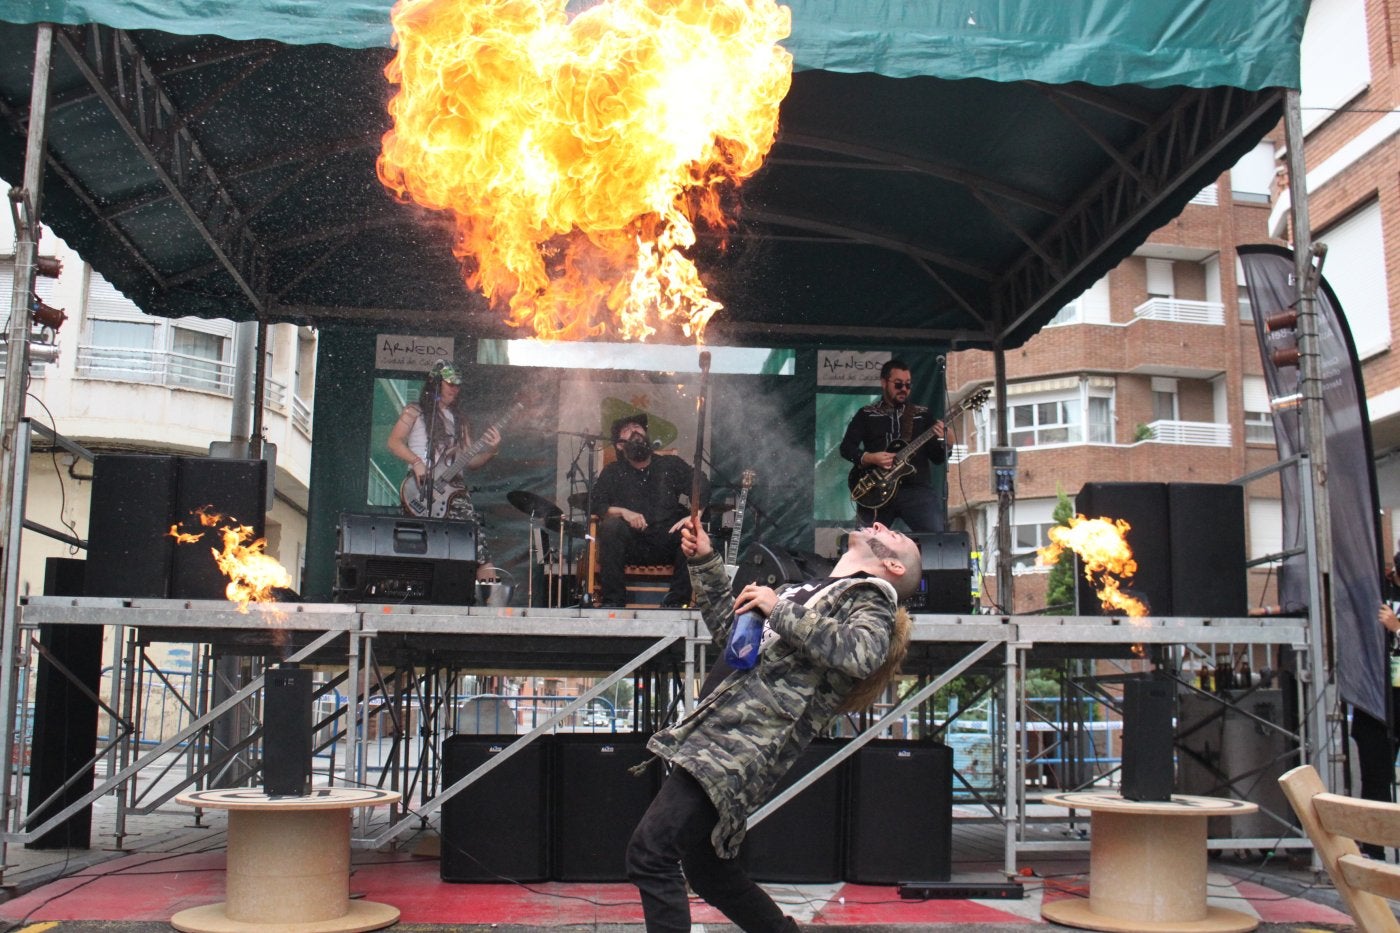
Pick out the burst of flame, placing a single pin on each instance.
(1103, 549)
(253, 574)
(576, 154)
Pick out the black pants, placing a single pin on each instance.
(919, 506)
(1375, 760)
(619, 544)
(674, 834)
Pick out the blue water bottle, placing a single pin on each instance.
(745, 638)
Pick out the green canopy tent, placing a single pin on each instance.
(946, 175)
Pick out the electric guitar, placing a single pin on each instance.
(433, 499)
(731, 550)
(872, 487)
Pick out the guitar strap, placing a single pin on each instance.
(906, 423)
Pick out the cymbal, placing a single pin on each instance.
(578, 500)
(533, 505)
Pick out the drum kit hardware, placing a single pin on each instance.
(547, 517)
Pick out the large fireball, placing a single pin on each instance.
(575, 154)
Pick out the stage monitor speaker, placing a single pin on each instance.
(1149, 708)
(130, 511)
(1207, 550)
(900, 813)
(65, 715)
(390, 558)
(287, 731)
(597, 803)
(233, 489)
(802, 841)
(767, 565)
(497, 828)
(1144, 507)
(945, 583)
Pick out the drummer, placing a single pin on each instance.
(641, 501)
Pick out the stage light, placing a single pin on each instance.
(1283, 320)
(44, 315)
(43, 352)
(50, 267)
(1285, 356)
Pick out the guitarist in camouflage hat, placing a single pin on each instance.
(829, 646)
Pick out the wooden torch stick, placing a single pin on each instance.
(699, 440)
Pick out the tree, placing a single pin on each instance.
(1059, 590)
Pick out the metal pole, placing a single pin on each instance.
(245, 349)
(1006, 592)
(26, 206)
(1313, 436)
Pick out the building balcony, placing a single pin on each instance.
(1188, 433)
(1180, 311)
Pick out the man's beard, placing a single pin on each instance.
(637, 448)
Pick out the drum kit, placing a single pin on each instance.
(548, 519)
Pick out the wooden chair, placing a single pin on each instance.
(1334, 824)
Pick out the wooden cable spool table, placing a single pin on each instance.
(288, 863)
(1147, 866)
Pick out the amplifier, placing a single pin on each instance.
(390, 558)
(945, 579)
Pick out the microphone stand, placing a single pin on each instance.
(589, 443)
(430, 461)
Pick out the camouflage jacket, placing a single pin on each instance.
(748, 731)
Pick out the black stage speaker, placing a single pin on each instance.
(234, 489)
(65, 716)
(497, 829)
(390, 558)
(1144, 507)
(597, 803)
(945, 584)
(801, 843)
(767, 565)
(287, 731)
(900, 813)
(1148, 713)
(130, 512)
(1207, 549)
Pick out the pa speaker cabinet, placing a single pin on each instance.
(390, 558)
(287, 731)
(597, 803)
(65, 716)
(1149, 708)
(1207, 549)
(130, 512)
(1144, 507)
(233, 489)
(802, 841)
(767, 565)
(945, 581)
(900, 810)
(496, 829)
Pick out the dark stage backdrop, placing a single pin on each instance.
(1357, 558)
(763, 422)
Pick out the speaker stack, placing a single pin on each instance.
(1149, 708)
(901, 813)
(1187, 539)
(597, 803)
(803, 841)
(137, 497)
(497, 828)
(945, 582)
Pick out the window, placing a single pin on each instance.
(1164, 399)
(1091, 307)
(1335, 58)
(1056, 414)
(1356, 259)
(1160, 281)
(1031, 522)
(122, 343)
(1253, 176)
(1258, 412)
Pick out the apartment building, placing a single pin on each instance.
(1152, 375)
(127, 381)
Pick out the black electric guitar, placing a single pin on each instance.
(872, 487)
(433, 499)
(731, 550)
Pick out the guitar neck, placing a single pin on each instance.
(478, 446)
(731, 551)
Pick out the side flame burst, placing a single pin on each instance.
(253, 574)
(1108, 560)
(576, 155)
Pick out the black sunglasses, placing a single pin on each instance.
(899, 384)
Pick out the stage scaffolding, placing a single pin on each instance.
(404, 660)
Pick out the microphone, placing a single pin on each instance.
(655, 445)
(941, 360)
